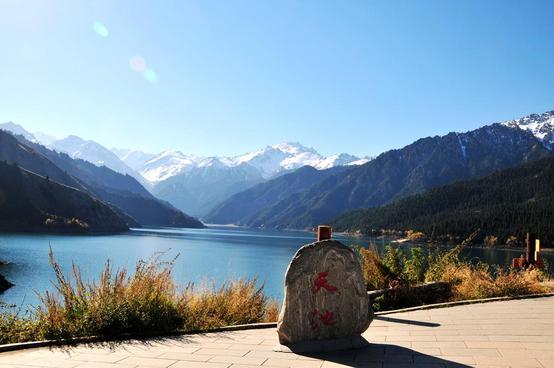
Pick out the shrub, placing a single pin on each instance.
(415, 266)
(146, 302)
(512, 241)
(490, 240)
(415, 235)
(480, 281)
(375, 273)
(466, 280)
(14, 328)
(238, 302)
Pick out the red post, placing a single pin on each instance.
(323, 232)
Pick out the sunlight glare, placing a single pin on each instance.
(100, 29)
(150, 76)
(138, 64)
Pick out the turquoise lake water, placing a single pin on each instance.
(214, 254)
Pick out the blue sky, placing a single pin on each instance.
(226, 77)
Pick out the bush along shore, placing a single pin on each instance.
(449, 277)
(148, 302)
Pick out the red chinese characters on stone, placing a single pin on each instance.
(327, 318)
(321, 282)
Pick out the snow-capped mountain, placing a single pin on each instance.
(35, 137)
(541, 125)
(197, 184)
(167, 164)
(77, 147)
(133, 158)
(19, 130)
(272, 160)
(342, 159)
(204, 186)
(192, 183)
(93, 152)
(269, 161)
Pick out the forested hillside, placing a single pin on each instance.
(32, 203)
(125, 193)
(424, 164)
(507, 203)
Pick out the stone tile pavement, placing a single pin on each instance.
(517, 333)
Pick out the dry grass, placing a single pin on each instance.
(482, 281)
(146, 302)
(467, 280)
(374, 271)
(235, 303)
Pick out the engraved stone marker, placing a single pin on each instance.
(326, 306)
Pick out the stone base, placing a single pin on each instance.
(321, 346)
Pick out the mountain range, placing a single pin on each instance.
(424, 164)
(122, 193)
(192, 183)
(285, 186)
(33, 203)
(506, 203)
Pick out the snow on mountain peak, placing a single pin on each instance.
(167, 164)
(272, 160)
(269, 161)
(294, 148)
(540, 125)
(18, 130)
(336, 160)
(213, 162)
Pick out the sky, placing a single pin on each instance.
(228, 77)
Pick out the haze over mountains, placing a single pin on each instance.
(126, 197)
(289, 186)
(424, 164)
(191, 183)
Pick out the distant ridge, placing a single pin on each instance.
(242, 208)
(32, 203)
(506, 203)
(191, 183)
(122, 192)
(424, 164)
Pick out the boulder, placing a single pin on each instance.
(4, 284)
(326, 306)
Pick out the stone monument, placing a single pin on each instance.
(326, 306)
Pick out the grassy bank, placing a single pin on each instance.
(148, 301)
(401, 271)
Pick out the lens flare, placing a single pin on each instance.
(138, 64)
(150, 76)
(100, 29)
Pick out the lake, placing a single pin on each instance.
(210, 255)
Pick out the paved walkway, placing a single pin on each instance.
(516, 333)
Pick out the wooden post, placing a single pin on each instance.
(323, 232)
(537, 249)
(530, 248)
